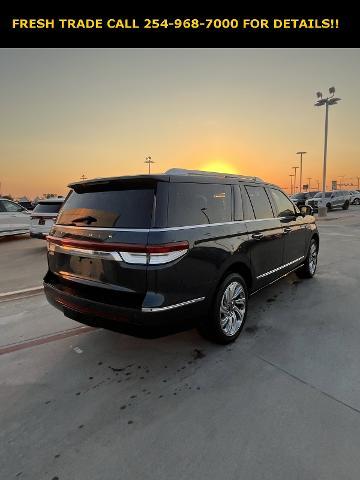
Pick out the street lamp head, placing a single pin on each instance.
(300, 153)
(333, 101)
(320, 103)
(332, 90)
(319, 94)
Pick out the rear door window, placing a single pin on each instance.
(48, 207)
(119, 207)
(12, 207)
(260, 202)
(199, 204)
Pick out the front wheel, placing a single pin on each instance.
(227, 318)
(356, 201)
(309, 268)
(346, 205)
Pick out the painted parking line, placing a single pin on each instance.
(24, 293)
(334, 234)
(45, 339)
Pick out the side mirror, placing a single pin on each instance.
(306, 210)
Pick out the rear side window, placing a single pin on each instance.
(120, 208)
(260, 202)
(284, 207)
(11, 207)
(48, 207)
(198, 204)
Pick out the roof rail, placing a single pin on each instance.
(184, 171)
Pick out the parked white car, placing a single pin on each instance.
(355, 197)
(44, 215)
(14, 219)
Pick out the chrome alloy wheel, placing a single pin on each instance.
(232, 308)
(313, 258)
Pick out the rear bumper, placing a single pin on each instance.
(101, 314)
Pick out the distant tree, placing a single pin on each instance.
(49, 195)
(9, 197)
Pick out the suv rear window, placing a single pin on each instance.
(121, 208)
(198, 204)
(48, 207)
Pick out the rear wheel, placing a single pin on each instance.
(357, 201)
(309, 268)
(228, 315)
(346, 205)
(328, 206)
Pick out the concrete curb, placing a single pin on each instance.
(18, 294)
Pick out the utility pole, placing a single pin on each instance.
(301, 164)
(295, 168)
(309, 180)
(149, 162)
(291, 183)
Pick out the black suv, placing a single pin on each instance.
(160, 248)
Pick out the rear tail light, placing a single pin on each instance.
(129, 252)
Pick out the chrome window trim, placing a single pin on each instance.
(171, 307)
(165, 229)
(270, 272)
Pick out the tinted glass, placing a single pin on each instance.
(284, 207)
(12, 207)
(299, 196)
(47, 207)
(198, 204)
(121, 208)
(319, 195)
(260, 202)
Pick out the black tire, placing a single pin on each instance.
(329, 207)
(346, 205)
(308, 270)
(356, 201)
(213, 327)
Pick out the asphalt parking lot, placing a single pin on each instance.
(283, 402)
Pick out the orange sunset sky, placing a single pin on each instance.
(65, 113)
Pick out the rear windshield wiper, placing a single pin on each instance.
(87, 219)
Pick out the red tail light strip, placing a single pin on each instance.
(119, 247)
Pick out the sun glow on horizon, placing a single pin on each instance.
(219, 165)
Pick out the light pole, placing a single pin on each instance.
(149, 162)
(328, 101)
(309, 180)
(291, 183)
(301, 160)
(295, 168)
(341, 180)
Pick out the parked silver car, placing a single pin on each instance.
(14, 219)
(333, 199)
(355, 197)
(44, 215)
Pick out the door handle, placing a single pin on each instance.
(257, 236)
(287, 230)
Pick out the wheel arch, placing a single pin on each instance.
(242, 269)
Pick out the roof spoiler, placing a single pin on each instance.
(183, 171)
